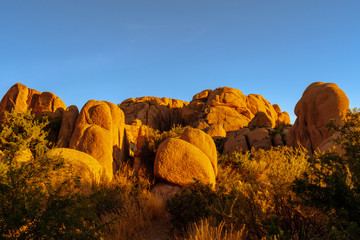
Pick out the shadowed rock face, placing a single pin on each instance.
(22, 98)
(229, 108)
(99, 131)
(158, 113)
(67, 126)
(319, 103)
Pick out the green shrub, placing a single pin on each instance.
(40, 197)
(190, 205)
(253, 194)
(332, 181)
(20, 131)
(156, 137)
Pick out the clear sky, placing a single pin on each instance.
(113, 50)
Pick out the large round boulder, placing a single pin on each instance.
(180, 162)
(319, 103)
(204, 142)
(87, 167)
(23, 98)
(99, 131)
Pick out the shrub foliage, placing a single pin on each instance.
(253, 194)
(40, 197)
(332, 180)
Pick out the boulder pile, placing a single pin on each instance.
(99, 131)
(22, 99)
(230, 109)
(102, 135)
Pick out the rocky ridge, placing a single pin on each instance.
(108, 132)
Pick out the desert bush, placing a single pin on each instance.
(134, 209)
(253, 190)
(331, 183)
(190, 205)
(40, 197)
(157, 137)
(20, 131)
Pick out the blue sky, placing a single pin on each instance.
(114, 50)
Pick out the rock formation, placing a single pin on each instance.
(259, 138)
(88, 168)
(236, 141)
(216, 131)
(247, 138)
(50, 105)
(229, 108)
(132, 133)
(158, 113)
(204, 142)
(180, 162)
(261, 120)
(319, 103)
(99, 131)
(22, 99)
(19, 97)
(192, 156)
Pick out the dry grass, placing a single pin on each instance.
(135, 219)
(140, 209)
(206, 230)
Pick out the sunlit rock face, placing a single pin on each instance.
(204, 142)
(99, 131)
(86, 166)
(230, 109)
(319, 103)
(225, 107)
(23, 98)
(158, 113)
(181, 160)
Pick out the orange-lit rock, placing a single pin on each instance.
(204, 142)
(319, 103)
(99, 131)
(236, 141)
(158, 113)
(261, 120)
(50, 105)
(132, 132)
(259, 138)
(230, 109)
(180, 162)
(216, 132)
(22, 99)
(87, 167)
